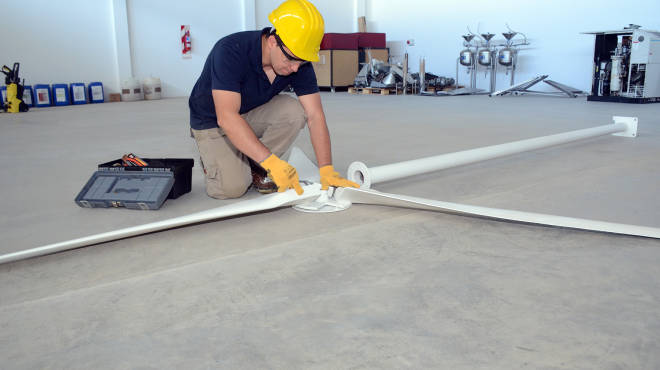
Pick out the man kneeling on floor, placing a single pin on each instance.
(242, 125)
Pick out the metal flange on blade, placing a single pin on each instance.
(325, 203)
(629, 122)
(308, 173)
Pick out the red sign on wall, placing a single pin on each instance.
(186, 43)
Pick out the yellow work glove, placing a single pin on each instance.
(282, 173)
(330, 177)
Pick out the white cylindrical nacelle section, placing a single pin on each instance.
(360, 173)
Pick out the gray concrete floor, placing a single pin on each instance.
(371, 287)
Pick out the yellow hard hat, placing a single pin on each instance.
(300, 26)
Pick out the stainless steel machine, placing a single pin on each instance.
(626, 66)
(486, 58)
(507, 56)
(482, 52)
(467, 58)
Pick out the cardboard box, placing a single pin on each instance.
(380, 54)
(114, 98)
(336, 68)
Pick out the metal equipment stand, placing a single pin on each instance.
(523, 88)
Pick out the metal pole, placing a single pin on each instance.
(456, 80)
(422, 76)
(493, 71)
(360, 173)
(405, 73)
(514, 60)
(473, 73)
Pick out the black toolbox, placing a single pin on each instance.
(147, 187)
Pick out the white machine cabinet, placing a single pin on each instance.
(626, 66)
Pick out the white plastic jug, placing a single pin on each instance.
(151, 88)
(131, 90)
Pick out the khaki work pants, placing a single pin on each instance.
(227, 170)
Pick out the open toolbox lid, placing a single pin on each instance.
(181, 167)
(130, 189)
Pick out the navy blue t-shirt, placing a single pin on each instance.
(234, 64)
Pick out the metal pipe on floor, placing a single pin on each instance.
(366, 176)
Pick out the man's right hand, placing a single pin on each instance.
(282, 173)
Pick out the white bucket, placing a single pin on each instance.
(131, 90)
(151, 88)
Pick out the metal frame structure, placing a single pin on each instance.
(523, 88)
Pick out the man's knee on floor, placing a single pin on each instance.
(227, 192)
(219, 189)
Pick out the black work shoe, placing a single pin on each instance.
(263, 184)
(260, 180)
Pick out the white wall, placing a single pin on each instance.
(154, 29)
(553, 27)
(104, 40)
(60, 42)
(110, 40)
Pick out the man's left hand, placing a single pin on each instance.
(330, 177)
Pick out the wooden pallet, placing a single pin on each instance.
(433, 89)
(372, 90)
